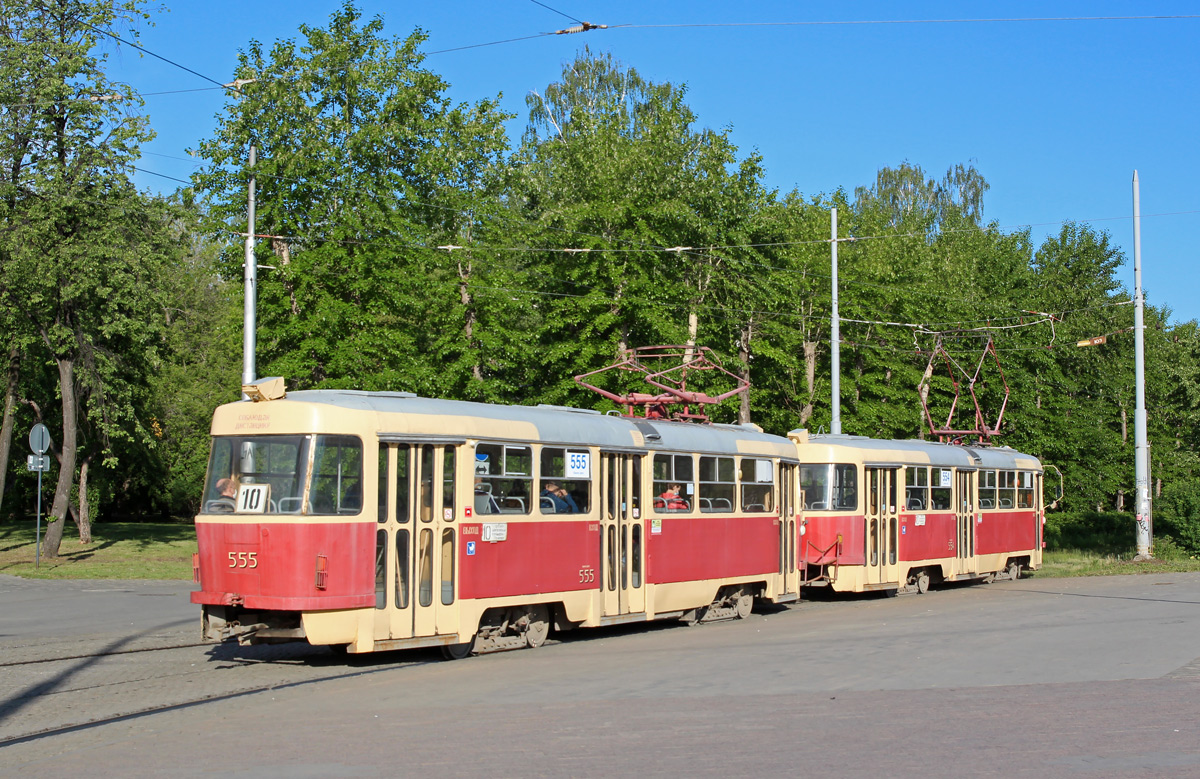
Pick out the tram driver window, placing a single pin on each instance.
(716, 484)
(1024, 489)
(565, 486)
(503, 479)
(674, 483)
(916, 488)
(278, 461)
(829, 487)
(758, 484)
(337, 476)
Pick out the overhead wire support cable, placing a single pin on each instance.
(152, 54)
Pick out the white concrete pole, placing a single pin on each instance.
(1141, 447)
(835, 426)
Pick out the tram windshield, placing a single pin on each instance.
(284, 474)
(829, 487)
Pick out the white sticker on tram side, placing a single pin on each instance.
(655, 527)
(448, 515)
(946, 476)
(920, 520)
(579, 465)
(494, 531)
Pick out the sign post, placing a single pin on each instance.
(39, 442)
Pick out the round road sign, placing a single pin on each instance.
(39, 439)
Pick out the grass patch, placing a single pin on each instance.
(119, 550)
(1079, 562)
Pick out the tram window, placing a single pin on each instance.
(382, 474)
(402, 475)
(845, 488)
(892, 538)
(337, 476)
(566, 481)
(1024, 490)
(987, 489)
(447, 566)
(717, 484)
(425, 567)
(637, 486)
(941, 480)
(278, 461)
(380, 568)
(829, 487)
(636, 551)
(612, 557)
(427, 483)
(624, 557)
(916, 488)
(1007, 495)
(448, 459)
(402, 569)
(503, 479)
(873, 540)
(758, 483)
(671, 470)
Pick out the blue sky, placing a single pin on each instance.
(1056, 114)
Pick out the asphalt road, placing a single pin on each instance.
(1074, 677)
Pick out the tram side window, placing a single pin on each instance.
(758, 484)
(814, 480)
(503, 479)
(916, 488)
(566, 481)
(942, 479)
(987, 489)
(382, 472)
(717, 484)
(1007, 496)
(829, 487)
(380, 568)
(402, 475)
(448, 460)
(278, 461)
(1024, 490)
(337, 476)
(674, 483)
(845, 488)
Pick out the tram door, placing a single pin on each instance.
(621, 576)
(418, 561)
(882, 522)
(964, 489)
(787, 528)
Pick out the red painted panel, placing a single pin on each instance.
(1005, 531)
(934, 540)
(821, 533)
(273, 566)
(695, 548)
(535, 557)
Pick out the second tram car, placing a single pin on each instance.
(898, 515)
(376, 521)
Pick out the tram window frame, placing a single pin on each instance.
(987, 490)
(756, 478)
(381, 544)
(503, 478)
(553, 462)
(1024, 489)
(447, 551)
(425, 567)
(281, 461)
(718, 484)
(916, 488)
(425, 485)
(941, 486)
(403, 486)
(402, 553)
(334, 492)
(382, 477)
(671, 469)
(449, 481)
(829, 486)
(1007, 493)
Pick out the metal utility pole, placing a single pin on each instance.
(835, 426)
(1141, 447)
(250, 268)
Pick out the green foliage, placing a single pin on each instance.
(1107, 532)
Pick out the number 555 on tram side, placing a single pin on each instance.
(375, 521)
(898, 515)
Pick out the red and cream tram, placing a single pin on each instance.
(895, 515)
(377, 521)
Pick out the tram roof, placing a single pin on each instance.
(404, 413)
(936, 453)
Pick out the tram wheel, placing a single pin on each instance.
(458, 651)
(1014, 570)
(744, 604)
(539, 626)
(923, 582)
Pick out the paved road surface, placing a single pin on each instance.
(1075, 677)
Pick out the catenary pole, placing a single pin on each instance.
(835, 426)
(249, 313)
(1141, 448)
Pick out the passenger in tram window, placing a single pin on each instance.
(673, 499)
(226, 500)
(562, 500)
